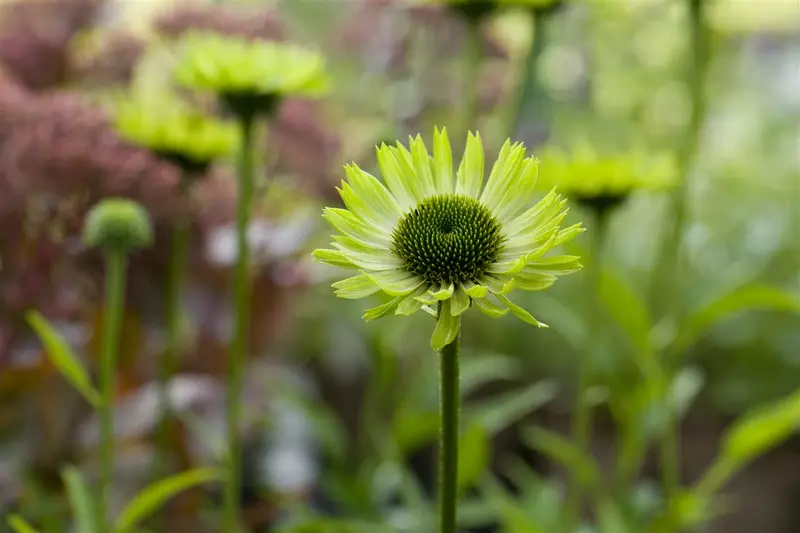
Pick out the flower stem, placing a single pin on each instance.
(241, 322)
(696, 75)
(472, 75)
(116, 266)
(449, 406)
(169, 361)
(582, 410)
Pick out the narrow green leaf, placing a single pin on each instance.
(480, 369)
(414, 429)
(157, 494)
(510, 513)
(501, 411)
(80, 499)
(19, 525)
(63, 358)
(610, 518)
(629, 310)
(566, 453)
(474, 454)
(749, 298)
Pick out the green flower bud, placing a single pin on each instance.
(119, 224)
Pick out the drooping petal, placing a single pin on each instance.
(445, 292)
(521, 313)
(508, 267)
(422, 163)
(460, 301)
(411, 304)
(532, 282)
(474, 290)
(400, 184)
(558, 265)
(356, 287)
(333, 258)
(382, 310)
(470, 171)
(427, 298)
(374, 194)
(398, 282)
(497, 286)
(443, 162)
(487, 307)
(447, 327)
(347, 223)
(503, 178)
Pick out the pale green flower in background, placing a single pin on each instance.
(442, 241)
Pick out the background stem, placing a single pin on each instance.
(582, 411)
(449, 405)
(239, 344)
(472, 82)
(116, 265)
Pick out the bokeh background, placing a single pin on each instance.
(341, 414)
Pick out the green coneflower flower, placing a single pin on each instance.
(602, 181)
(249, 75)
(173, 130)
(441, 242)
(477, 10)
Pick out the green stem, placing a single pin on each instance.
(532, 97)
(169, 362)
(696, 75)
(449, 406)
(583, 412)
(241, 321)
(472, 75)
(116, 266)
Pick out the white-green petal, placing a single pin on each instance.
(442, 162)
(427, 298)
(447, 327)
(431, 311)
(537, 233)
(411, 304)
(400, 184)
(422, 189)
(460, 301)
(527, 247)
(470, 172)
(536, 214)
(333, 258)
(355, 287)
(503, 179)
(359, 207)
(568, 234)
(487, 307)
(445, 292)
(518, 191)
(349, 224)
(533, 282)
(422, 163)
(521, 313)
(559, 265)
(398, 282)
(374, 259)
(374, 194)
(382, 310)
(498, 286)
(508, 267)
(474, 290)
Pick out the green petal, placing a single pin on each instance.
(543, 210)
(382, 310)
(486, 307)
(521, 313)
(355, 287)
(566, 235)
(398, 282)
(333, 258)
(427, 298)
(474, 291)
(370, 259)
(533, 282)
(470, 171)
(509, 267)
(443, 161)
(374, 194)
(459, 302)
(411, 304)
(362, 210)
(518, 191)
(535, 233)
(497, 286)
(558, 265)
(444, 293)
(503, 178)
(528, 247)
(347, 223)
(430, 310)
(401, 185)
(422, 163)
(447, 327)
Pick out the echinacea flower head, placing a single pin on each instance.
(249, 75)
(443, 241)
(118, 224)
(175, 131)
(600, 180)
(477, 10)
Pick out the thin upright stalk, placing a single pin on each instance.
(241, 323)
(169, 362)
(672, 256)
(531, 101)
(449, 406)
(472, 75)
(582, 410)
(116, 266)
